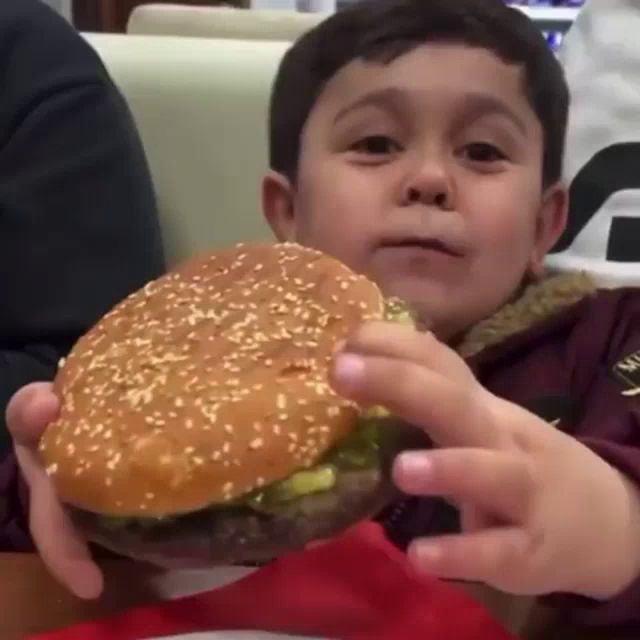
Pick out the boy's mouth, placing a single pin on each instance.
(425, 244)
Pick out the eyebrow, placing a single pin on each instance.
(477, 105)
(389, 97)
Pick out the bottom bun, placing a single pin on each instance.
(241, 535)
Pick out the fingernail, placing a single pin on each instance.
(425, 555)
(412, 473)
(414, 463)
(348, 369)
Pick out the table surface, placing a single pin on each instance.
(31, 601)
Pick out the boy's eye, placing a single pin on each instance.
(483, 152)
(376, 145)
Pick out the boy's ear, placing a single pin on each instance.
(551, 223)
(278, 205)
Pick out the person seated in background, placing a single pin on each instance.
(78, 224)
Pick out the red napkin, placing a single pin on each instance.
(358, 587)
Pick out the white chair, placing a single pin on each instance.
(201, 109)
(220, 22)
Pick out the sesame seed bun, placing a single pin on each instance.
(208, 384)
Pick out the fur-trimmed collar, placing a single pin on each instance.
(538, 302)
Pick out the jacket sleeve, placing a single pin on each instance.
(607, 379)
(14, 528)
(78, 224)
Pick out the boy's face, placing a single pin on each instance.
(426, 175)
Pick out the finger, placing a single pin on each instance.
(62, 550)
(489, 556)
(473, 519)
(30, 411)
(497, 482)
(451, 414)
(405, 343)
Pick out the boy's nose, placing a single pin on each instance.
(429, 185)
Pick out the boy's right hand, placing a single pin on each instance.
(62, 549)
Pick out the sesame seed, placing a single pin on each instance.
(282, 401)
(228, 428)
(256, 443)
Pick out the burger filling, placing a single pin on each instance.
(359, 451)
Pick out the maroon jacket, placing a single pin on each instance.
(574, 365)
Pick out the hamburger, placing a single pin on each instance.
(197, 422)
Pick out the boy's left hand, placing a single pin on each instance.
(541, 512)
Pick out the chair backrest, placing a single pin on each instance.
(201, 109)
(220, 22)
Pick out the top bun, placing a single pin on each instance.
(210, 382)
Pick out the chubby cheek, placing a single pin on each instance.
(502, 209)
(504, 241)
(334, 217)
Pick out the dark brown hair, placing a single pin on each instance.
(383, 30)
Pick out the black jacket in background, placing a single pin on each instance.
(78, 226)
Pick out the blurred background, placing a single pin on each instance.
(553, 16)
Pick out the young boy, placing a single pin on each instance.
(421, 143)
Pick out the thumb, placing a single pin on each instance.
(29, 412)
